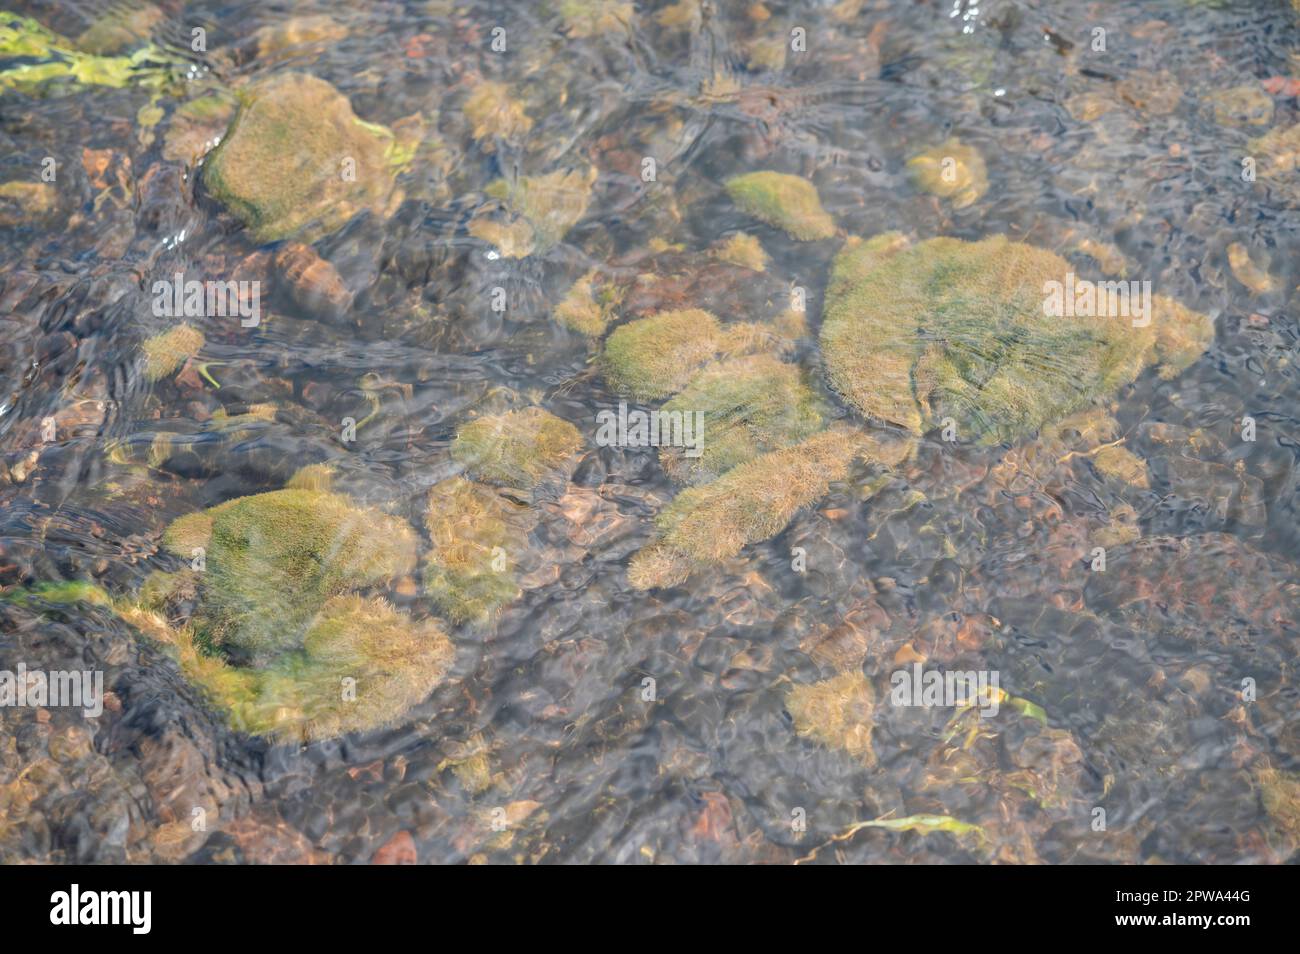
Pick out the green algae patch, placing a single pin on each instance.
(493, 114)
(963, 330)
(117, 31)
(475, 533)
(361, 665)
(786, 202)
(587, 18)
(754, 501)
(27, 203)
(550, 203)
(837, 713)
(653, 357)
(165, 353)
(515, 449)
(297, 161)
(743, 250)
(273, 559)
(749, 405)
(282, 637)
(1280, 793)
(59, 593)
(951, 171)
(588, 306)
(52, 63)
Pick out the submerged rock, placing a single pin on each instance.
(1278, 156)
(299, 163)
(964, 330)
(783, 201)
(117, 31)
(26, 203)
(515, 449)
(493, 113)
(1191, 588)
(951, 171)
(653, 357)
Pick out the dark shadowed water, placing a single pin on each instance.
(1156, 700)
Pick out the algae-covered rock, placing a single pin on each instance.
(515, 449)
(950, 170)
(476, 534)
(750, 405)
(837, 713)
(754, 501)
(273, 559)
(551, 203)
(1241, 106)
(653, 357)
(298, 35)
(281, 636)
(783, 201)
(1280, 793)
(971, 331)
(512, 239)
(26, 203)
(116, 31)
(588, 18)
(197, 126)
(743, 250)
(165, 353)
(493, 113)
(1277, 155)
(299, 163)
(588, 305)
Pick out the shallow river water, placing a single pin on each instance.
(1124, 571)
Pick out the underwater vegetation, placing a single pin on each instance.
(56, 65)
(474, 531)
(956, 329)
(783, 201)
(283, 636)
(515, 449)
(297, 162)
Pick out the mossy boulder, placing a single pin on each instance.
(961, 330)
(786, 202)
(515, 449)
(297, 162)
(750, 405)
(476, 535)
(281, 633)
